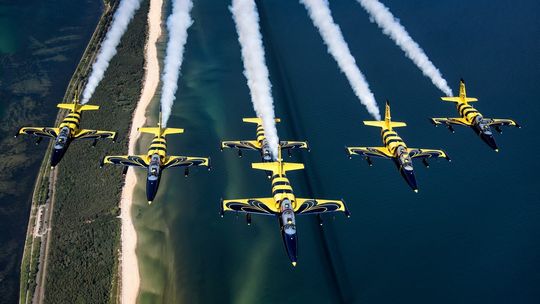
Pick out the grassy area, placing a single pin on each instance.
(85, 230)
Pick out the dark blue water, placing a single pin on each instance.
(470, 235)
(41, 43)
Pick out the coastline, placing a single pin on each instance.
(129, 270)
(31, 267)
(76, 215)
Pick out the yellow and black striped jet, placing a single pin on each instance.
(156, 160)
(68, 130)
(395, 149)
(470, 117)
(283, 204)
(261, 143)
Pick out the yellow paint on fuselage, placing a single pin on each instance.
(72, 121)
(467, 112)
(260, 134)
(282, 189)
(392, 141)
(158, 146)
(390, 138)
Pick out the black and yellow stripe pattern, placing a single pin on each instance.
(158, 146)
(392, 141)
(260, 134)
(467, 112)
(282, 189)
(72, 121)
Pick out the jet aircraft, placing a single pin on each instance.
(470, 117)
(283, 204)
(68, 130)
(261, 143)
(395, 149)
(156, 160)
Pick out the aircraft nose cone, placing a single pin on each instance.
(56, 156)
(409, 177)
(490, 141)
(291, 245)
(151, 189)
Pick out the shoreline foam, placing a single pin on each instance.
(130, 278)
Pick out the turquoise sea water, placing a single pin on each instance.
(41, 43)
(469, 236)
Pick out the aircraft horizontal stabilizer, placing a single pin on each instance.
(161, 132)
(459, 99)
(277, 167)
(77, 107)
(257, 120)
(384, 124)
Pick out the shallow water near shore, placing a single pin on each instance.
(469, 236)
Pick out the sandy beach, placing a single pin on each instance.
(130, 279)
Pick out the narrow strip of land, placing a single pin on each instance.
(130, 279)
(45, 242)
(39, 224)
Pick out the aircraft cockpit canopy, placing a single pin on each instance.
(153, 168)
(483, 125)
(404, 158)
(62, 138)
(287, 217)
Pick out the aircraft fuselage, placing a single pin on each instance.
(478, 124)
(156, 155)
(266, 154)
(283, 195)
(402, 159)
(68, 127)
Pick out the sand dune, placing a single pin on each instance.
(130, 279)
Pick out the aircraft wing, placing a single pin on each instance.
(370, 152)
(38, 131)
(264, 206)
(317, 206)
(94, 134)
(426, 153)
(241, 144)
(294, 145)
(127, 160)
(185, 161)
(450, 121)
(494, 122)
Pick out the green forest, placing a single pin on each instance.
(85, 237)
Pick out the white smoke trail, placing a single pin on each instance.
(246, 18)
(177, 25)
(393, 29)
(322, 18)
(120, 22)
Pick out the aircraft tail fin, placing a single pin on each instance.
(462, 94)
(257, 120)
(387, 123)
